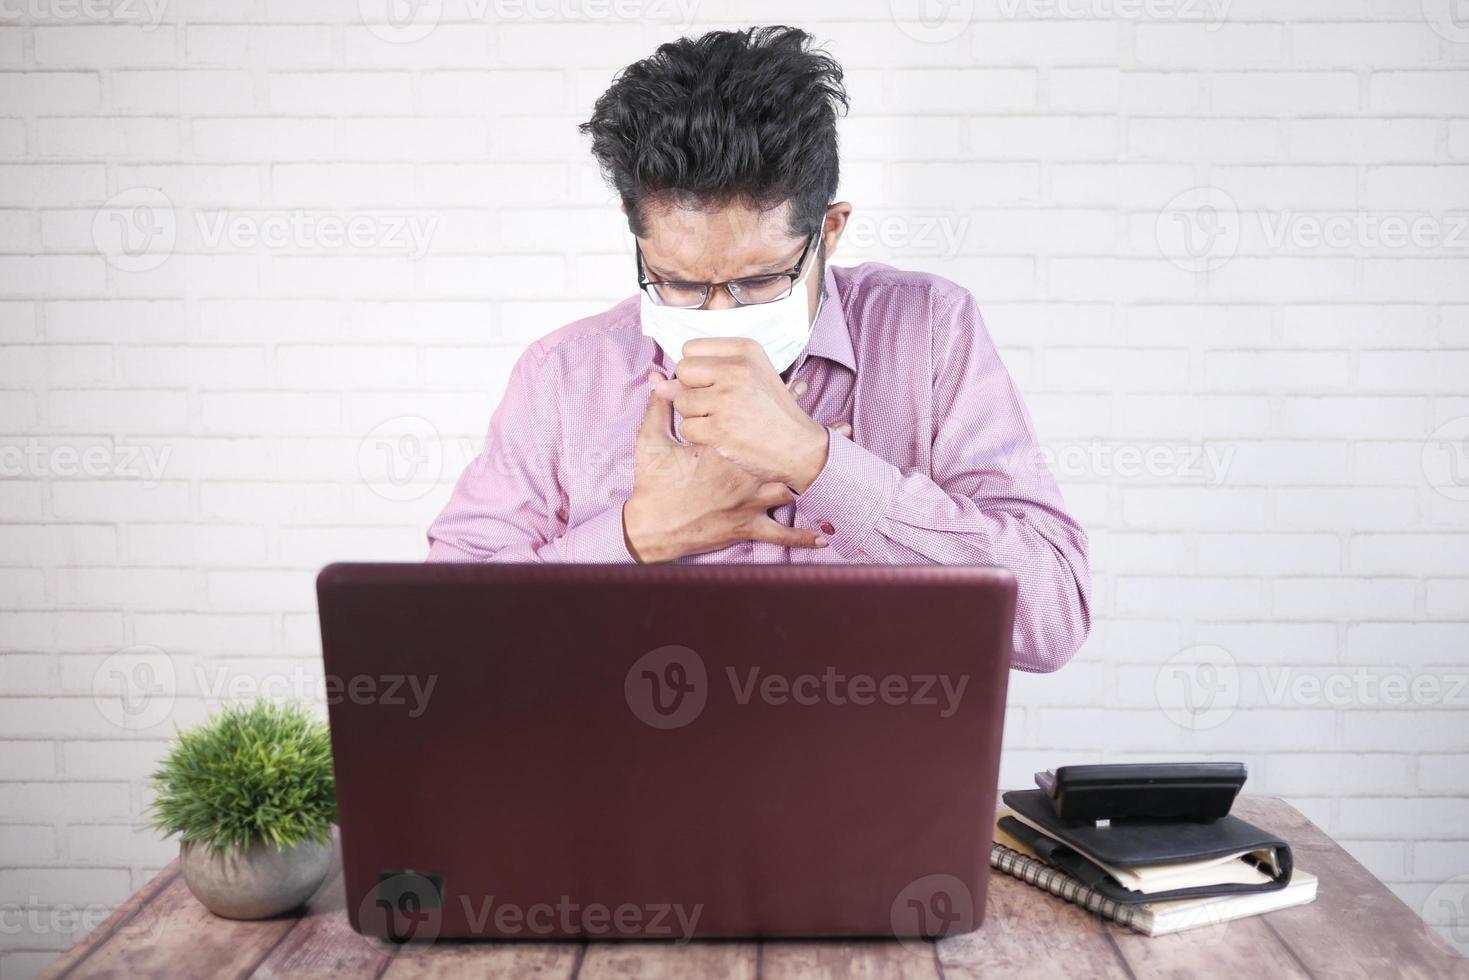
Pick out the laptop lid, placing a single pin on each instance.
(535, 751)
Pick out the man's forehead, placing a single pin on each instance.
(697, 239)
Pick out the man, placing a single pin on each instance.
(752, 403)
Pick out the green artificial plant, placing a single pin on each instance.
(249, 775)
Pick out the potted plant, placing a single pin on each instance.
(251, 795)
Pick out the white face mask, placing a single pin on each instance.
(782, 328)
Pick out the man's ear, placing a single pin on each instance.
(835, 226)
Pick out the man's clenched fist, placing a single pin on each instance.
(733, 402)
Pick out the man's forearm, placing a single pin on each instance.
(873, 513)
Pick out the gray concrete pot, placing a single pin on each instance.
(254, 883)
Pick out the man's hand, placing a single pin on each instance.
(734, 402)
(687, 500)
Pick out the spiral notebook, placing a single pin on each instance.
(1010, 856)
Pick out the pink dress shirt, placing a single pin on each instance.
(942, 465)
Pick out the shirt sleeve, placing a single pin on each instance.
(988, 499)
(505, 506)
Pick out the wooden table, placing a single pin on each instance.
(1355, 928)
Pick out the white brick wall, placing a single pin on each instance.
(1222, 244)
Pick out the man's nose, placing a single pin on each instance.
(720, 299)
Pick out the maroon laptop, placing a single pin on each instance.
(534, 751)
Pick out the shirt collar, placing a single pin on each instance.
(830, 337)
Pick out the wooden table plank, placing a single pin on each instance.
(1356, 928)
(183, 938)
(873, 960)
(140, 904)
(1028, 933)
(324, 944)
(651, 960)
(448, 959)
(1242, 948)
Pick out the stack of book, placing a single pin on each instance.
(1154, 877)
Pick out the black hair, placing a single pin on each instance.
(730, 117)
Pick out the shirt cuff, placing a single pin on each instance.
(598, 541)
(849, 497)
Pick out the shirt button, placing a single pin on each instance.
(826, 528)
(800, 388)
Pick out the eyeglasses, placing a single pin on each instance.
(752, 291)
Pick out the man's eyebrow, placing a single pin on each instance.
(769, 269)
(657, 273)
